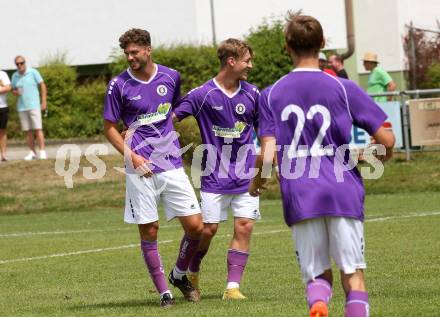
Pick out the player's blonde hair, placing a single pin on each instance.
(232, 48)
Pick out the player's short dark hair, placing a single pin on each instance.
(232, 48)
(135, 36)
(303, 34)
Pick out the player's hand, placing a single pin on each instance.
(257, 186)
(140, 164)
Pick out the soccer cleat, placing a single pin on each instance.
(31, 156)
(184, 285)
(233, 293)
(166, 301)
(319, 309)
(193, 277)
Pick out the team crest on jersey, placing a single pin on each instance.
(240, 108)
(161, 90)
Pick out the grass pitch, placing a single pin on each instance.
(67, 253)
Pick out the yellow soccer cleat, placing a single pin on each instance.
(193, 277)
(233, 293)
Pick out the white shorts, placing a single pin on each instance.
(143, 195)
(30, 119)
(215, 206)
(319, 239)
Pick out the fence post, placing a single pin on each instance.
(405, 126)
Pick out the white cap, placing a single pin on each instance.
(322, 56)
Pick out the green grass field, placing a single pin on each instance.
(67, 252)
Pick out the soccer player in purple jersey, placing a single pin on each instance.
(142, 97)
(309, 114)
(225, 108)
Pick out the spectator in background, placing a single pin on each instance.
(379, 80)
(323, 65)
(336, 63)
(5, 87)
(28, 85)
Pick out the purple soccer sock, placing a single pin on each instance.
(194, 265)
(236, 263)
(318, 290)
(154, 265)
(188, 247)
(356, 304)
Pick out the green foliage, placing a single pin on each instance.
(271, 60)
(432, 77)
(74, 110)
(196, 64)
(60, 80)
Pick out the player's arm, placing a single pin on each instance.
(264, 165)
(386, 138)
(112, 134)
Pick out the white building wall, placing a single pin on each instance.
(88, 30)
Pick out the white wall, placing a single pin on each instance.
(88, 30)
(234, 18)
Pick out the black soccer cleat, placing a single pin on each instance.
(184, 285)
(166, 301)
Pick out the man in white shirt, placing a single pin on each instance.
(5, 87)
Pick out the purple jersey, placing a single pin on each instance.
(310, 114)
(226, 124)
(146, 107)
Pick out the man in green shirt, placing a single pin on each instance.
(379, 80)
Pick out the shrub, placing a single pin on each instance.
(271, 59)
(432, 77)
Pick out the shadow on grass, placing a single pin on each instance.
(120, 304)
(139, 303)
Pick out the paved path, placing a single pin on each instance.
(18, 152)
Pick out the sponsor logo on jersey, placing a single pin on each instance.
(232, 133)
(138, 97)
(159, 115)
(161, 90)
(240, 108)
(219, 108)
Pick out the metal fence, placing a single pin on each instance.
(403, 97)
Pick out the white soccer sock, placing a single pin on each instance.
(232, 285)
(178, 274)
(167, 291)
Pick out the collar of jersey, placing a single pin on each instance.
(223, 91)
(141, 81)
(306, 69)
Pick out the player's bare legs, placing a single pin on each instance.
(356, 294)
(238, 254)
(208, 232)
(193, 227)
(242, 234)
(150, 253)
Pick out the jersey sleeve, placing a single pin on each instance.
(365, 112)
(176, 95)
(112, 102)
(256, 111)
(266, 120)
(189, 105)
